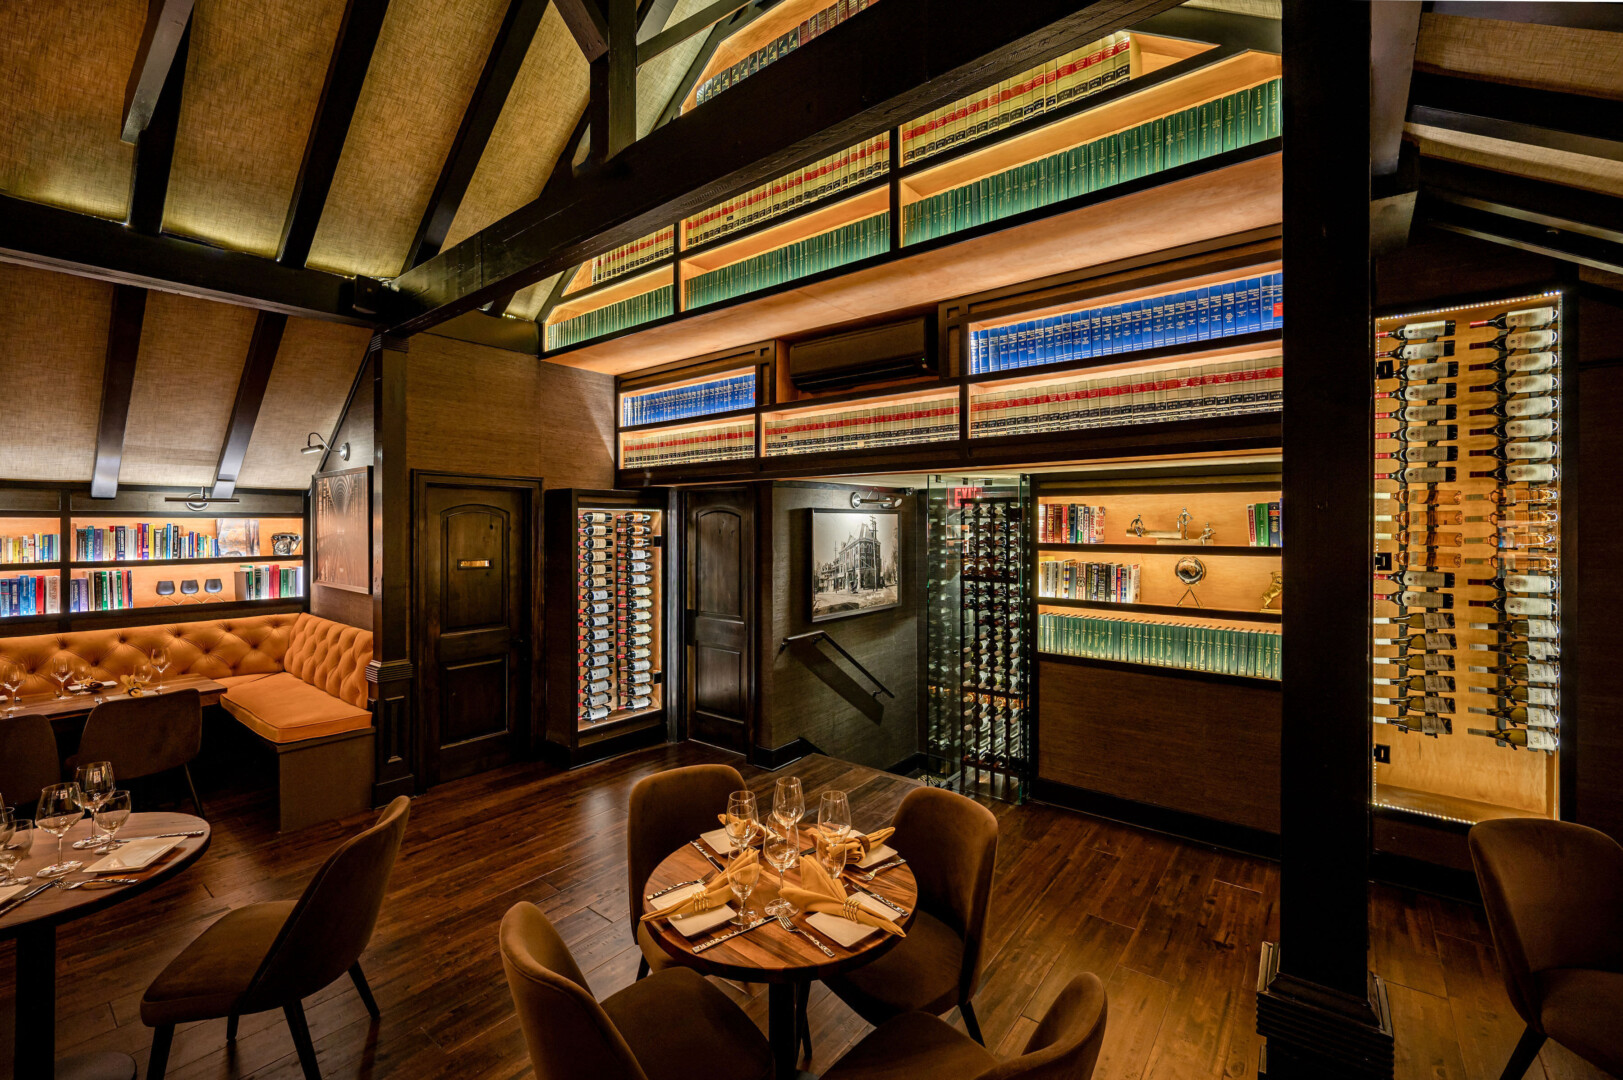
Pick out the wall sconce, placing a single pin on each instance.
(315, 444)
(198, 500)
(885, 502)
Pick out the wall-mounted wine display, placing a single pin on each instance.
(617, 607)
(1467, 576)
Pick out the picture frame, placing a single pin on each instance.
(854, 563)
(341, 524)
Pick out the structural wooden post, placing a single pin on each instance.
(612, 107)
(1322, 1013)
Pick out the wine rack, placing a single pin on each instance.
(1467, 576)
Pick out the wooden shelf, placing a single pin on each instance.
(295, 559)
(1193, 549)
(147, 612)
(939, 388)
(29, 567)
(1449, 808)
(1240, 346)
(1162, 609)
(1158, 669)
(611, 292)
(867, 201)
(690, 421)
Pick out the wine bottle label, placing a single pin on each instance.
(640, 665)
(1539, 739)
(1425, 392)
(1536, 450)
(1409, 598)
(1442, 475)
(1526, 317)
(1427, 434)
(1530, 407)
(1530, 474)
(596, 516)
(599, 661)
(1528, 628)
(1421, 414)
(1532, 363)
(1535, 584)
(1530, 340)
(598, 712)
(639, 703)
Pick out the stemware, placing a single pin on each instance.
(834, 818)
(15, 849)
(62, 672)
(141, 677)
(160, 664)
(59, 810)
(742, 820)
(788, 802)
(95, 781)
(743, 881)
(782, 850)
(111, 815)
(11, 678)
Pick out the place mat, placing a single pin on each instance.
(11, 890)
(844, 931)
(137, 854)
(720, 842)
(690, 925)
(877, 856)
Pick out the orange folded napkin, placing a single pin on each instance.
(856, 846)
(715, 892)
(819, 892)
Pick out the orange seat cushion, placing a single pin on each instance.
(228, 681)
(283, 708)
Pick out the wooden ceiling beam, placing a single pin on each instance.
(894, 61)
(612, 105)
(155, 150)
(652, 15)
(696, 23)
(117, 382)
(256, 373)
(1573, 123)
(701, 59)
(346, 73)
(587, 26)
(1524, 235)
(484, 109)
(1539, 202)
(1574, 16)
(157, 55)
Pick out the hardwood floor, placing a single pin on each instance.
(1174, 930)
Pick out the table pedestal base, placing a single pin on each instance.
(107, 1066)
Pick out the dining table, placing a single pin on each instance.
(34, 924)
(77, 704)
(788, 963)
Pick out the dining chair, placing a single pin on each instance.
(28, 760)
(668, 810)
(274, 955)
(950, 844)
(145, 736)
(673, 1025)
(1554, 895)
(1064, 1046)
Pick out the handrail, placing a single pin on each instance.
(824, 635)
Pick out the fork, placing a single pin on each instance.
(783, 921)
(876, 871)
(671, 889)
(100, 882)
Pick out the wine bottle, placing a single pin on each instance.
(597, 686)
(1534, 649)
(1508, 694)
(1431, 641)
(1511, 385)
(1529, 340)
(635, 654)
(1523, 497)
(638, 566)
(639, 579)
(637, 517)
(1446, 369)
(1530, 606)
(639, 702)
(1530, 715)
(597, 662)
(1520, 429)
(597, 648)
(1518, 408)
(1420, 331)
(1523, 363)
(639, 640)
(1423, 519)
(1416, 538)
(1528, 473)
(1420, 661)
(1424, 684)
(1530, 738)
(1420, 620)
(598, 699)
(1544, 674)
(1524, 319)
(1527, 628)
(640, 678)
(595, 530)
(1519, 450)
(598, 594)
(1420, 579)
(1429, 497)
(1421, 392)
(1424, 475)
(595, 517)
(640, 665)
(1414, 706)
(1418, 414)
(1422, 433)
(597, 620)
(595, 543)
(594, 713)
(636, 592)
(636, 604)
(597, 609)
(1418, 350)
(1422, 453)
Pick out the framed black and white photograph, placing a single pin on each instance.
(855, 562)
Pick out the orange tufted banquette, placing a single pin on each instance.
(289, 677)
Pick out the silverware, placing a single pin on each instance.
(876, 871)
(671, 889)
(783, 921)
(102, 883)
(166, 836)
(7, 907)
(897, 908)
(728, 937)
(709, 858)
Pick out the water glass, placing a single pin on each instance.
(788, 802)
(160, 664)
(62, 672)
(16, 848)
(742, 820)
(111, 816)
(782, 851)
(61, 806)
(11, 679)
(141, 677)
(743, 881)
(95, 782)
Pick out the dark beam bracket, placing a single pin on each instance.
(586, 25)
(155, 150)
(256, 373)
(159, 53)
(693, 24)
(1537, 201)
(117, 382)
(611, 109)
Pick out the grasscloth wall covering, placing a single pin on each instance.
(314, 369)
(657, 80)
(253, 80)
(53, 347)
(1525, 54)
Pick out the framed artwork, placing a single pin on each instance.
(341, 509)
(239, 537)
(855, 562)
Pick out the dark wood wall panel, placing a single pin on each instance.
(1437, 266)
(1199, 747)
(354, 427)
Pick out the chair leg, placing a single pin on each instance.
(967, 1011)
(231, 1028)
(642, 968)
(364, 990)
(197, 803)
(1521, 1058)
(158, 1061)
(802, 1024)
(301, 1039)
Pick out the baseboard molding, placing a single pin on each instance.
(774, 758)
(1422, 876)
(636, 739)
(1176, 823)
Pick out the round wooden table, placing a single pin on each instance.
(787, 963)
(34, 922)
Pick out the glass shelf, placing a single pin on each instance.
(883, 422)
(105, 540)
(688, 444)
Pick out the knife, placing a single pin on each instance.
(671, 889)
(709, 858)
(897, 908)
(6, 908)
(169, 835)
(728, 937)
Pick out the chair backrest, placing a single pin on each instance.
(28, 760)
(1066, 1044)
(1554, 895)
(333, 921)
(146, 735)
(569, 1035)
(330, 656)
(950, 844)
(668, 809)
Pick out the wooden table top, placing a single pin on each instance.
(55, 708)
(57, 905)
(771, 954)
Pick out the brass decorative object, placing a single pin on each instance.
(1179, 534)
(1275, 587)
(1191, 571)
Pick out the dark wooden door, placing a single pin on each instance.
(719, 635)
(474, 545)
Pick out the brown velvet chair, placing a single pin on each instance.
(1554, 894)
(669, 809)
(145, 736)
(672, 1025)
(950, 844)
(28, 760)
(1065, 1045)
(273, 955)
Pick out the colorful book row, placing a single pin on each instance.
(1212, 312)
(1186, 392)
(268, 582)
(854, 429)
(717, 442)
(836, 172)
(119, 543)
(1078, 73)
(628, 257)
(1070, 523)
(655, 304)
(102, 590)
(781, 46)
(1072, 579)
(847, 244)
(1263, 525)
(30, 547)
(1228, 123)
(25, 594)
(684, 402)
(1216, 649)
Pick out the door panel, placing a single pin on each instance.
(720, 619)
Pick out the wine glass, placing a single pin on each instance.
(834, 818)
(62, 671)
(95, 782)
(743, 881)
(160, 664)
(788, 802)
(782, 850)
(141, 677)
(8, 825)
(11, 678)
(14, 850)
(111, 816)
(59, 810)
(742, 820)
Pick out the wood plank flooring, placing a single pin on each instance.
(1174, 929)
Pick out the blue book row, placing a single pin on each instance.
(684, 402)
(1211, 312)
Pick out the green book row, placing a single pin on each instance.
(1159, 644)
(1227, 123)
(847, 244)
(606, 320)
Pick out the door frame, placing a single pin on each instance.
(534, 565)
(682, 610)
